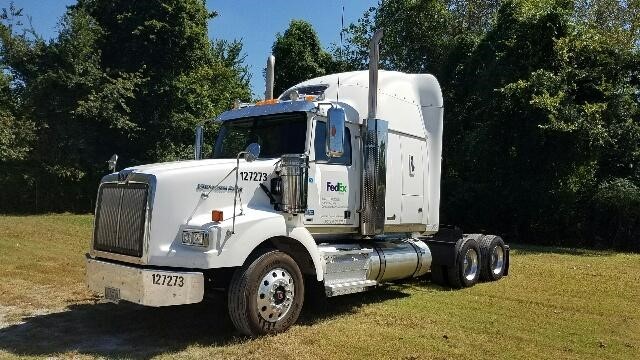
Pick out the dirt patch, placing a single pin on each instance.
(5, 314)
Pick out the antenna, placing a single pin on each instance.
(341, 30)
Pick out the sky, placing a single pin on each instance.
(255, 22)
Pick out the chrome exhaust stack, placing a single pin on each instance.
(374, 58)
(374, 158)
(269, 81)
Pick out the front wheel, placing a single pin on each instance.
(266, 294)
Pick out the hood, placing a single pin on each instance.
(177, 165)
(184, 193)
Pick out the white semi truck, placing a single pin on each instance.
(312, 190)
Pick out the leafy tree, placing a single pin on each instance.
(79, 109)
(16, 139)
(186, 77)
(123, 77)
(420, 36)
(16, 132)
(542, 108)
(299, 56)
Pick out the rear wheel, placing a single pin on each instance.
(466, 270)
(266, 294)
(494, 258)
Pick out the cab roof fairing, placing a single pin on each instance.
(402, 98)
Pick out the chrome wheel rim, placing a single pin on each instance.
(275, 294)
(497, 260)
(470, 264)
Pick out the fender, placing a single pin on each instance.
(303, 235)
(228, 249)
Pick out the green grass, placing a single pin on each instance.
(556, 303)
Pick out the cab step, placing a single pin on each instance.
(349, 287)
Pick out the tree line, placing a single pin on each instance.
(125, 77)
(542, 108)
(542, 102)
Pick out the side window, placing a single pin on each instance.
(319, 146)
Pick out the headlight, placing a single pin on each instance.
(195, 238)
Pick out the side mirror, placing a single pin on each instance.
(336, 118)
(252, 152)
(113, 162)
(199, 141)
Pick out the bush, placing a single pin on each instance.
(615, 215)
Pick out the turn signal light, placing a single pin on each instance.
(216, 215)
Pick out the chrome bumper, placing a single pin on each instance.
(144, 286)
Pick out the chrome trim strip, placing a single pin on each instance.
(401, 228)
(338, 229)
(117, 257)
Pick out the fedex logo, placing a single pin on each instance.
(339, 187)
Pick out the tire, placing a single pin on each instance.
(466, 270)
(494, 258)
(266, 294)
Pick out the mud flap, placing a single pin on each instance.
(506, 263)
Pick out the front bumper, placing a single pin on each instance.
(147, 287)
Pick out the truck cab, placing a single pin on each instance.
(310, 190)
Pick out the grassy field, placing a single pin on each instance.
(556, 303)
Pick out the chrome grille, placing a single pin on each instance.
(120, 218)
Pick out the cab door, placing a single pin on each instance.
(333, 182)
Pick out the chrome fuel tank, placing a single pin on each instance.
(374, 262)
(399, 259)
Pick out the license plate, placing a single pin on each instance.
(112, 294)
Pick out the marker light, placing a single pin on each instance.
(217, 215)
(267, 102)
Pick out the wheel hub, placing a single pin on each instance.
(497, 260)
(275, 294)
(280, 295)
(470, 264)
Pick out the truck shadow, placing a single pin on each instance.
(134, 331)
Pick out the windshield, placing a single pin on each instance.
(277, 134)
